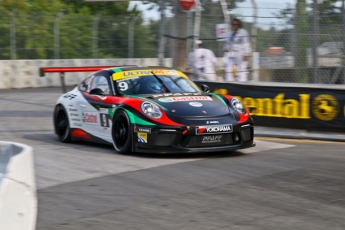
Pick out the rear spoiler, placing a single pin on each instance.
(63, 70)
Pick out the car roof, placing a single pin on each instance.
(136, 67)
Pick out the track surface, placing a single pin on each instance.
(280, 184)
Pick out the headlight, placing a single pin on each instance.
(151, 110)
(237, 104)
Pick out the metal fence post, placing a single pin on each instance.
(197, 21)
(95, 36)
(57, 35)
(161, 33)
(315, 43)
(343, 30)
(254, 60)
(13, 34)
(131, 36)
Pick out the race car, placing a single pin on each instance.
(152, 110)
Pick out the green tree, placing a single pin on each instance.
(93, 8)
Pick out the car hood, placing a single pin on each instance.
(202, 105)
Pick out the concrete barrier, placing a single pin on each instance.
(18, 199)
(16, 74)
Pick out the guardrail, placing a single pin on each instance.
(18, 199)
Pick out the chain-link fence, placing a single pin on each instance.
(294, 43)
(68, 36)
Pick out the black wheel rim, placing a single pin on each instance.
(120, 132)
(61, 123)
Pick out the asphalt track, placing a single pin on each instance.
(279, 184)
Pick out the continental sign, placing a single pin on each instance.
(324, 107)
(297, 107)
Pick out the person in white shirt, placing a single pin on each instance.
(237, 52)
(205, 63)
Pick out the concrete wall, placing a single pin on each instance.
(25, 73)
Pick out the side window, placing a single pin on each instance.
(101, 82)
(85, 85)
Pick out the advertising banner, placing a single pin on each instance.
(309, 108)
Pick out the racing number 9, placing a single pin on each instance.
(123, 86)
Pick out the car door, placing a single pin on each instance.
(96, 116)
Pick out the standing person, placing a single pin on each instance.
(204, 63)
(237, 52)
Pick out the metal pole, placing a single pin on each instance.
(255, 16)
(197, 21)
(13, 34)
(131, 36)
(224, 6)
(343, 28)
(161, 33)
(95, 36)
(62, 78)
(315, 43)
(57, 35)
(255, 57)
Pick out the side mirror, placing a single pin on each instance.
(205, 88)
(97, 91)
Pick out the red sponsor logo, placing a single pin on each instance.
(89, 118)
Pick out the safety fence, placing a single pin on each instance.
(305, 47)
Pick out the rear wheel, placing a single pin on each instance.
(61, 124)
(121, 133)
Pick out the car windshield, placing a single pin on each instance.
(153, 84)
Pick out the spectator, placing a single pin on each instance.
(204, 63)
(237, 52)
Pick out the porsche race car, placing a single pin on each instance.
(154, 110)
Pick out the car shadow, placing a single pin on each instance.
(109, 149)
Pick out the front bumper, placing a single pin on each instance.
(183, 140)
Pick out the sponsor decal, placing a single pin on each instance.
(72, 110)
(74, 119)
(74, 124)
(187, 98)
(325, 107)
(90, 118)
(278, 106)
(74, 115)
(213, 129)
(142, 137)
(195, 104)
(211, 139)
(70, 96)
(212, 122)
(142, 129)
(176, 94)
(148, 72)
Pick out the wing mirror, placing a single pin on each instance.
(205, 88)
(97, 91)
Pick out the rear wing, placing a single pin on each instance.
(63, 70)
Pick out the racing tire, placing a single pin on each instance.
(121, 133)
(61, 124)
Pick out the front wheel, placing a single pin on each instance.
(61, 124)
(121, 132)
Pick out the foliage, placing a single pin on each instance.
(37, 24)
